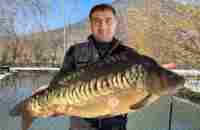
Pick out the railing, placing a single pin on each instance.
(34, 69)
(192, 76)
(187, 73)
(191, 72)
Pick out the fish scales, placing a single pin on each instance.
(73, 93)
(88, 90)
(94, 88)
(82, 93)
(68, 96)
(98, 87)
(125, 82)
(104, 85)
(78, 89)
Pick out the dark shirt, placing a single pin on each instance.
(102, 47)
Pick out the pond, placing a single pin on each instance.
(155, 117)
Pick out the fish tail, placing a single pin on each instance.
(17, 109)
(27, 121)
(14, 111)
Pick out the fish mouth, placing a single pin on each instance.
(172, 82)
(142, 103)
(176, 80)
(176, 87)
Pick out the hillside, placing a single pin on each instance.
(166, 31)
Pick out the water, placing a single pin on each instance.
(23, 86)
(155, 117)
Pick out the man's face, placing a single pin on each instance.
(103, 25)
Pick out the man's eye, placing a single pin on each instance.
(109, 21)
(96, 21)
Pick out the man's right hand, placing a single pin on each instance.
(169, 66)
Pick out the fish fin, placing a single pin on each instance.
(26, 121)
(18, 108)
(188, 95)
(140, 104)
(15, 111)
(106, 116)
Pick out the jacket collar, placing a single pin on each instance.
(114, 44)
(92, 39)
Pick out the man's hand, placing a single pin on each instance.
(169, 66)
(40, 88)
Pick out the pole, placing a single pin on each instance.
(64, 43)
(170, 113)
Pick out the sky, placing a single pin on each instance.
(75, 11)
(193, 2)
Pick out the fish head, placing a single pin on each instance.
(162, 80)
(154, 78)
(153, 81)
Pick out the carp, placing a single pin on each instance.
(106, 88)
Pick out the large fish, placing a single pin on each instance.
(109, 87)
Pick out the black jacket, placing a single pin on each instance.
(82, 54)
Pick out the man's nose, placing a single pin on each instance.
(102, 24)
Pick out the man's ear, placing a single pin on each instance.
(90, 25)
(117, 20)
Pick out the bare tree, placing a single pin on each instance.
(17, 18)
(55, 45)
(169, 32)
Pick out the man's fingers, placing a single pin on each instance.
(169, 66)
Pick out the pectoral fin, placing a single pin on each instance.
(149, 99)
(187, 95)
(27, 121)
(140, 104)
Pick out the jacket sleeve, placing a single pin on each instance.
(67, 66)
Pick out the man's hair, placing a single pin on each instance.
(102, 7)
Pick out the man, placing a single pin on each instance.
(101, 43)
